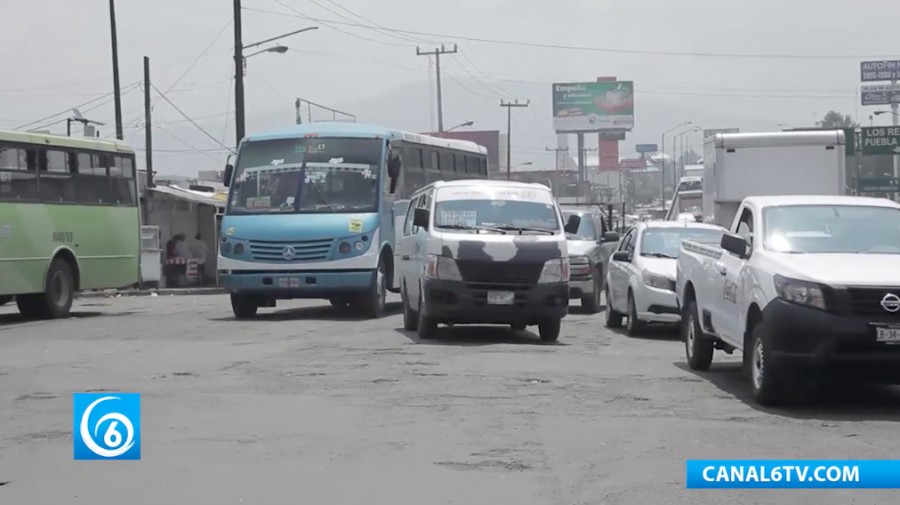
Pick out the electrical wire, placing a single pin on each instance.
(69, 109)
(567, 47)
(384, 30)
(330, 24)
(190, 120)
(188, 144)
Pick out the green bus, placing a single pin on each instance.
(69, 220)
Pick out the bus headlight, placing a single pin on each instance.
(442, 267)
(344, 248)
(226, 247)
(555, 271)
(359, 246)
(239, 248)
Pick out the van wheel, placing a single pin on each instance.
(243, 306)
(767, 378)
(591, 302)
(427, 326)
(410, 318)
(613, 318)
(699, 350)
(549, 330)
(375, 298)
(635, 326)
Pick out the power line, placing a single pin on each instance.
(330, 24)
(193, 148)
(69, 109)
(567, 47)
(383, 30)
(190, 120)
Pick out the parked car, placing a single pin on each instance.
(641, 281)
(589, 250)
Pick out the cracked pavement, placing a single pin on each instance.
(308, 404)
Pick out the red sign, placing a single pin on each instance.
(633, 164)
(609, 155)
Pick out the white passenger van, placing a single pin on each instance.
(484, 252)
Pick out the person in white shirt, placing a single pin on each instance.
(182, 250)
(199, 249)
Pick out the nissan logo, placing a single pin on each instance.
(288, 253)
(891, 302)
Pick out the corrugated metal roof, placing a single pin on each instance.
(214, 199)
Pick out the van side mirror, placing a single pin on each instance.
(621, 256)
(229, 171)
(573, 223)
(610, 236)
(735, 244)
(394, 165)
(420, 218)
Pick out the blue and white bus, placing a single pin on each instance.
(310, 211)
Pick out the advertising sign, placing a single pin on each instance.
(885, 70)
(879, 185)
(593, 106)
(880, 94)
(646, 148)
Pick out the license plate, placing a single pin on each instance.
(889, 335)
(287, 282)
(501, 297)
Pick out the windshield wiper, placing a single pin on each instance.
(659, 255)
(520, 229)
(466, 227)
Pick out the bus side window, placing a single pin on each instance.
(56, 184)
(122, 181)
(17, 181)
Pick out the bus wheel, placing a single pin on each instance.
(243, 306)
(375, 298)
(60, 290)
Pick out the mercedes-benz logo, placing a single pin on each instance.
(288, 253)
(891, 302)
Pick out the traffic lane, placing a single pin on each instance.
(308, 403)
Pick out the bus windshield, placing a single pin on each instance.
(307, 175)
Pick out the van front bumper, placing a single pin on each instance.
(467, 302)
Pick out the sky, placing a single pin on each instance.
(718, 63)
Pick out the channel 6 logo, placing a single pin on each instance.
(107, 426)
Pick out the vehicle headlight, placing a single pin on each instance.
(555, 271)
(579, 260)
(226, 247)
(656, 281)
(239, 248)
(800, 292)
(442, 267)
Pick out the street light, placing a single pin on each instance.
(274, 49)
(526, 164)
(663, 151)
(460, 125)
(880, 112)
(684, 149)
(239, 59)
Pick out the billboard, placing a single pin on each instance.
(489, 139)
(880, 94)
(646, 148)
(593, 106)
(885, 70)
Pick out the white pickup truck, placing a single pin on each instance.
(800, 283)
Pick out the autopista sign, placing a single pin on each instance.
(880, 140)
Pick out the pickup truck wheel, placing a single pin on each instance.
(549, 330)
(613, 318)
(591, 303)
(699, 350)
(767, 378)
(635, 326)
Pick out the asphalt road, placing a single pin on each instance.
(308, 405)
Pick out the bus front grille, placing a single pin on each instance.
(283, 252)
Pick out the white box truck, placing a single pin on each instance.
(738, 165)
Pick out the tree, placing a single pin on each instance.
(837, 120)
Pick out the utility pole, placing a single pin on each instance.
(148, 129)
(509, 107)
(558, 150)
(238, 76)
(117, 92)
(437, 61)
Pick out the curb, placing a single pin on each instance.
(151, 292)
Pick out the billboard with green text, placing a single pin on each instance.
(593, 106)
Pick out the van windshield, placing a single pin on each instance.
(485, 215)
